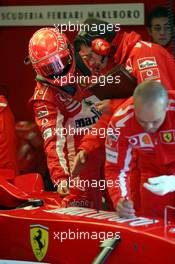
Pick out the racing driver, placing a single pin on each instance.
(61, 110)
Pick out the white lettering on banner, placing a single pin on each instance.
(125, 13)
(110, 216)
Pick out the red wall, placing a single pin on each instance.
(19, 78)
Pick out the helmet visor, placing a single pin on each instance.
(53, 65)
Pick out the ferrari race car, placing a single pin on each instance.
(40, 227)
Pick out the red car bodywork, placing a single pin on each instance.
(59, 232)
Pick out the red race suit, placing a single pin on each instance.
(63, 122)
(155, 152)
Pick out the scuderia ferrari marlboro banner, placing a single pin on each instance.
(123, 14)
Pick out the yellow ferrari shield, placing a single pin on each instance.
(167, 137)
(39, 239)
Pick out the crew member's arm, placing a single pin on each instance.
(117, 167)
(94, 139)
(90, 143)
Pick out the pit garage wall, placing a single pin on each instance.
(19, 78)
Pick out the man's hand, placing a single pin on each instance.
(125, 208)
(79, 162)
(103, 106)
(161, 185)
(63, 188)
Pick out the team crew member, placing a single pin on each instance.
(145, 122)
(159, 28)
(143, 60)
(8, 154)
(61, 111)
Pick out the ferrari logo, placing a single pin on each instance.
(167, 137)
(39, 239)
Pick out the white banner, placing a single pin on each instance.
(48, 15)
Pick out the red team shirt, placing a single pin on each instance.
(156, 154)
